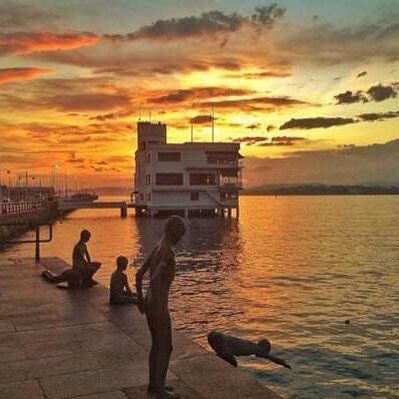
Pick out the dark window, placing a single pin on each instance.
(148, 179)
(202, 179)
(194, 196)
(169, 156)
(142, 145)
(149, 196)
(169, 179)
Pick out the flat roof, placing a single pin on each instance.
(195, 145)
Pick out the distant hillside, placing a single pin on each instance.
(123, 191)
(321, 189)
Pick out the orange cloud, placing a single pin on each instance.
(11, 74)
(33, 42)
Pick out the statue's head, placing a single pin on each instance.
(85, 235)
(264, 348)
(175, 229)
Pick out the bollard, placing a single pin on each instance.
(37, 249)
(124, 210)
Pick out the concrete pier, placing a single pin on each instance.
(58, 343)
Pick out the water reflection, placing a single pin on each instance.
(206, 259)
(292, 269)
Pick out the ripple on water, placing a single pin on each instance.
(293, 269)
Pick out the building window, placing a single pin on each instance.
(142, 145)
(202, 179)
(169, 156)
(169, 179)
(194, 196)
(148, 179)
(148, 158)
(141, 197)
(149, 196)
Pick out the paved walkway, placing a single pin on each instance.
(58, 343)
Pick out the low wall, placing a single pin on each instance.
(46, 214)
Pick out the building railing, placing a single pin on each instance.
(18, 208)
(37, 241)
(204, 164)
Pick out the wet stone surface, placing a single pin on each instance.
(70, 344)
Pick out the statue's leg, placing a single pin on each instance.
(153, 352)
(164, 341)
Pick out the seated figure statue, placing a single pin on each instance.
(120, 292)
(83, 269)
(228, 347)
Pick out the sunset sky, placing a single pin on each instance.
(309, 87)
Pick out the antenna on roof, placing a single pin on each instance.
(213, 122)
(192, 133)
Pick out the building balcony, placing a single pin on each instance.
(195, 165)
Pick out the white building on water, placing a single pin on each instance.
(190, 179)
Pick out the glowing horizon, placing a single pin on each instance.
(285, 81)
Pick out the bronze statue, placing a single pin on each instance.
(161, 265)
(228, 347)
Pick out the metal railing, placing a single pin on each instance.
(18, 208)
(37, 241)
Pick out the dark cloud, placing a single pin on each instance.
(201, 119)
(249, 140)
(361, 74)
(253, 126)
(88, 102)
(374, 93)
(287, 138)
(262, 141)
(264, 74)
(256, 103)
(277, 143)
(316, 123)
(373, 117)
(21, 16)
(32, 42)
(380, 93)
(180, 96)
(23, 73)
(349, 97)
(72, 158)
(112, 115)
(332, 44)
(76, 140)
(282, 141)
(212, 23)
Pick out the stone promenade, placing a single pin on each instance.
(58, 343)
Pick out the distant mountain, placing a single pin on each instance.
(322, 189)
(124, 191)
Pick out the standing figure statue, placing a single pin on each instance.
(162, 268)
